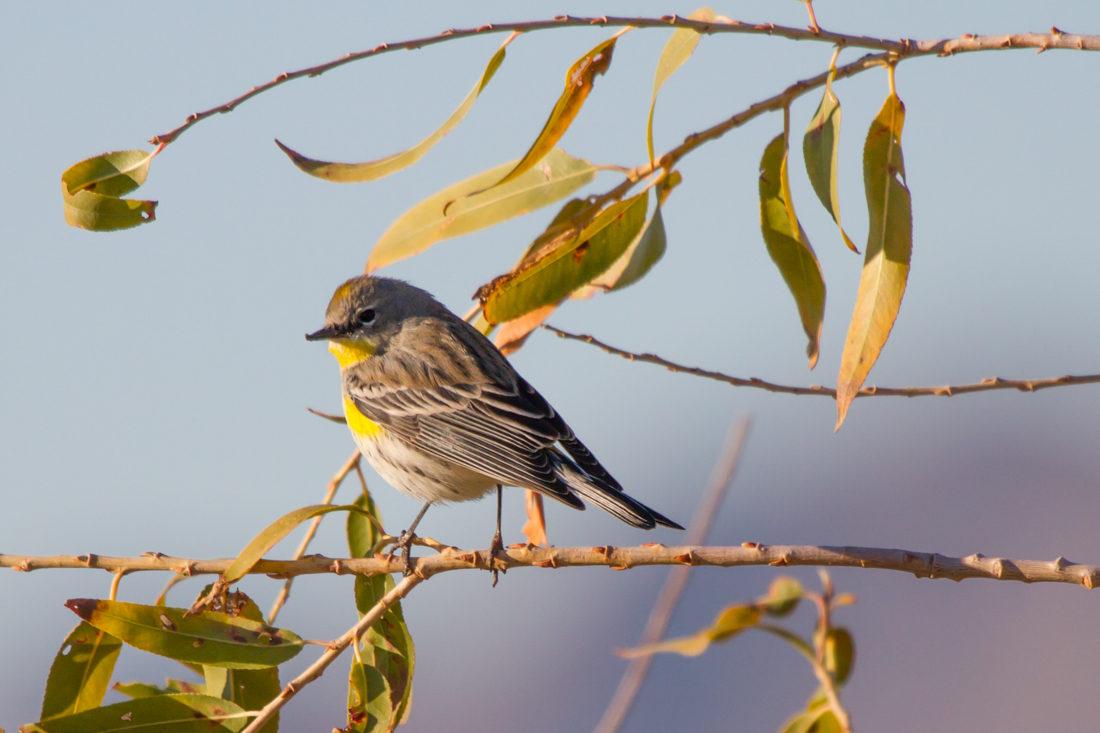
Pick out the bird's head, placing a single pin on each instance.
(366, 312)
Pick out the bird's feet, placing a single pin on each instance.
(404, 543)
(497, 545)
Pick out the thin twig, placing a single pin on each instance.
(921, 564)
(901, 48)
(334, 650)
(677, 579)
(986, 385)
(350, 465)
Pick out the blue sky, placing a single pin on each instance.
(154, 381)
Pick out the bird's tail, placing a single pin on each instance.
(610, 498)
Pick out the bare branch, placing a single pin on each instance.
(334, 650)
(677, 579)
(921, 564)
(898, 48)
(986, 385)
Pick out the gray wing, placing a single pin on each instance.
(506, 433)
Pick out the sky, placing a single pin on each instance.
(153, 382)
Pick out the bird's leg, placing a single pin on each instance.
(497, 545)
(405, 539)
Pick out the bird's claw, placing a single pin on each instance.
(404, 543)
(497, 545)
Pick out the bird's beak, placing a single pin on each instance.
(324, 334)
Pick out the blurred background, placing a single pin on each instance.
(153, 382)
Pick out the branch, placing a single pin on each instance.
(334, 650)
(920, 564)
(986, 385)
(897, 48)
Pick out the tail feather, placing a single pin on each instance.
(611, 498)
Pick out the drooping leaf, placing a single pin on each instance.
(889, 248)
(160, 713)
(783, 596)
(171, 687)
(578, 83)
(513, 334)
(92, 189)
(788, 244)
(840, 653)
(386, 657)
(359, 172)
(370, 700)
(677, 51)
(820, 146)
(534, 529)
(272, 535)
(729, 623)
(80, 671)
(550, 274)
(362, 527)
(209, 638)
(558, 176)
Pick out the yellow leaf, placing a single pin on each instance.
(889, 248)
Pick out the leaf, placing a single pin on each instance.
(171, 686)
(160, 713)
(423, 225)
(729, 623)
(91, 191)
(889, 248)
(788, 244)
(370, 700)
(552, 273)
(80, 671)
(359, 172)
(578, 83)
(386, 650)
(640, 257)
(826, 722)
(535, 528)
(820, 146)
(677, 51)
(513, 334)
(813, 721)
(272, 535)
(783, 596)
(840, 653)
(363, 534)
(209, 638)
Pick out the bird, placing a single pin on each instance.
(444, 417)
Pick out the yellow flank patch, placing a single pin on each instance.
(359, 423)
(349, 352)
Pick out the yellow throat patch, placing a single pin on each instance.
(359, 423)
(349, 352)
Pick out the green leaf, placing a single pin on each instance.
(363, 534)
(578, 83)
(80, 672)
(559, 268)
(171, 687)
(370, 700)
(783, 597)
(90, 191)
(826, 722)
(677, 51)
(821, 720)
(272, 535)
(160, 713)
(729, 623)
(801, 723)
(889, 248)
(820, 146)
(788, 244)
(420, 227)
(384, 664)
(840, 653)
(209, 638)
(359, 172)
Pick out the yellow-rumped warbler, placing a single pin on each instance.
(442, 415)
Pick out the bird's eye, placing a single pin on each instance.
(365, 316)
